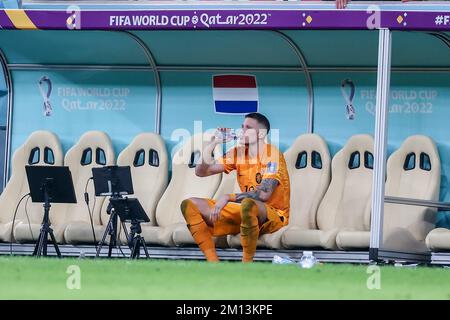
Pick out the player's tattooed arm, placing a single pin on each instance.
(262, 192)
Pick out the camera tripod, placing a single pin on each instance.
(111, 230)
(46, 230)
(135, 240)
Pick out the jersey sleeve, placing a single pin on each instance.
(229, 161)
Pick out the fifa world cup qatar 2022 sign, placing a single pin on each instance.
(203, 20)
(233, 18)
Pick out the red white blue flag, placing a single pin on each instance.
(235, 94)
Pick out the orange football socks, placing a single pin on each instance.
(199, 230)
(249, 229)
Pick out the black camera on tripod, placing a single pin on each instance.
(115, 181)
(130, 210)
(49, 184)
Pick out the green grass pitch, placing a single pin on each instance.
(48, 278)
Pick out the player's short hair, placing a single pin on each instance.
(262, 120)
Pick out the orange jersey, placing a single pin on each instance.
(251, 171)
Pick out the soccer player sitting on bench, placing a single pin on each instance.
(263, 205)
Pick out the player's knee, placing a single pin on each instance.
(184, 205)
(247, 206)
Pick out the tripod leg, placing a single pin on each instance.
(132, 248)
(105, 234)
(135, 253)
(110, 248)
(124, 228)
(111, 243)
(52, 236)
(45, 242)
(36, 247)
(145, 248)
(41, 243)
(113, 238)
(138, 248)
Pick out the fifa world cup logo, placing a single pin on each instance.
(349, 107)
(45, 81)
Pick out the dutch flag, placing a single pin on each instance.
(235, 94)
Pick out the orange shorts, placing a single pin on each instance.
(230, 220)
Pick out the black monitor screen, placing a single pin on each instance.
(112, 180)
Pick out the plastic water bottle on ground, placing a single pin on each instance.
(282, 260)
(308, 260)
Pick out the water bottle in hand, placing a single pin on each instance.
(225, 134)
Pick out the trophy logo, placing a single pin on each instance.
(349, 108)
(45, 81)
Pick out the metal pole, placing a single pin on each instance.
(8, 80)
(309, 84)
(153, 64)
(380, 147)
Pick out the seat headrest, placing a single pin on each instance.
(310, 143)
(417, 152)
(359, 142)
(41, 139)
(93, 140)
(145, 139)
(144, 146)
(418, 144)
(356, 154)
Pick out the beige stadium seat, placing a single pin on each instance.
(93, 149)
(308, 162)
(343, 216)
(41, 148)
(147, 157)
(438, 239)
(171, 227)
(413, 171)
